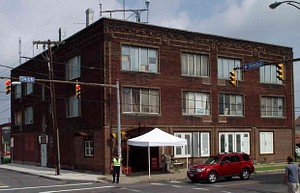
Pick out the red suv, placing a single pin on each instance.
(222, 165)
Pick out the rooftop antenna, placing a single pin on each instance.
(20, 47)
(136, 12)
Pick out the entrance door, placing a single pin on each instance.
(44, 155)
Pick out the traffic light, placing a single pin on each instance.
(114, 135)
(280, 71)
(78, 90)
(233, 78)
(7, 86)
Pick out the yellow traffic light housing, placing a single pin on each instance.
(233, 78)
(114, 135)
(7, 86)
(124, 135)
(280, 71)
(78, 90)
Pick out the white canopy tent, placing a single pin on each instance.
(156, 138)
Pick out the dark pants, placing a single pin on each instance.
(116, 172)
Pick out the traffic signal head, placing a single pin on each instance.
(280, 71)
(7, 86)
(78, 90)
(233, 78)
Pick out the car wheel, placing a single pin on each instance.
(212, 177)
(245, 175)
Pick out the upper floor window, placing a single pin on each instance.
(226, 65)
(18, 91)
(268, 74)
(139, 59)
(195, 103)
(18, 118)
(29, 88)
(194, 65)
(73, 68)
(28, 115)
(141, 100)
(231, 105)
(271, 107)
(73, 107)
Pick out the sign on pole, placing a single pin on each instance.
(253, 65)
(29, 79)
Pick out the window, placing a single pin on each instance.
(73, 68)
(226, 65)
(266, 142)
(18, 118)
(137, 100)
(234, 142)
(29, 88)
(271, 107)
(74, 107)
(268, 74)
(195, 103)
(88, 148)
(28, 115)
(18, 91)
(231, 105)
(198, 144)
(194, 65)
(139, 59)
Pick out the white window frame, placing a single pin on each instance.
(88, 148)
(266, 141)
(268, 74)
(198, 144)
(235, 107)
(139, 59)
(226, 65)
(271, 106)
(234, 141)
(73, 68)
(73, 107)
(196, 103)
(18, 91)
(28, 115)
(139, 100)
(195, 65)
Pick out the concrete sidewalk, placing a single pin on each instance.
(135, 177)
(93, 177)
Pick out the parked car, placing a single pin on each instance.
(224, 165)
(297, 151)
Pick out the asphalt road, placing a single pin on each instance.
(22, 183)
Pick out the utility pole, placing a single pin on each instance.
(53, 101)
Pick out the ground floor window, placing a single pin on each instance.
(266, 142)
(198, 144)
(88, 148)
(234, 142)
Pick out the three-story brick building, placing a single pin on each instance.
(172, 79)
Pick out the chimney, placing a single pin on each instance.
(89, 16)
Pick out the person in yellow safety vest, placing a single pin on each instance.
(116, 167)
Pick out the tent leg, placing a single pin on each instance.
(149, 160)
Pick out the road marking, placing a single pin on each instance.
(37, 187)
(176, 182)
(78, 189)
(158, 184)
(225, 191)
(3, 186)
(201, 189)
(218, 186)
(176, 186)
(132, 190)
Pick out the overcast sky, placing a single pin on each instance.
(31, 20)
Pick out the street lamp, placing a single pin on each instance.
(292, 3)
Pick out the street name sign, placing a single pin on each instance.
(253, 65)
(29, 79)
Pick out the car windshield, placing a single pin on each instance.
(212, 160)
